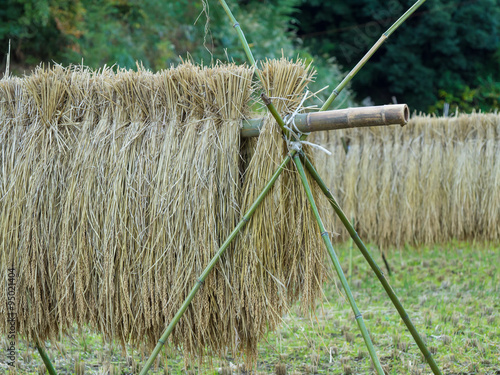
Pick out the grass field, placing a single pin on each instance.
(452, 294)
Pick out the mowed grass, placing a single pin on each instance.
(451, 293)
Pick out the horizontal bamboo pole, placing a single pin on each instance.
(397, 114)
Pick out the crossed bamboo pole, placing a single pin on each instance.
(338, 268)
(380, 275)
(324, 234)
(293, 155)
(312, 171)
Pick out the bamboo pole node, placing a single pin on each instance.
(236, 25)
(325, 233)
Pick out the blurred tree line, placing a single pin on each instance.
(447, 52)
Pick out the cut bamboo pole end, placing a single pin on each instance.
(396, 114)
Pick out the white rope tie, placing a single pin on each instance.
(293, 142)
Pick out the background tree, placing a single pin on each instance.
(449, 51)
(155, 32)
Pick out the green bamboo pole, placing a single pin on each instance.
(369, 54)
(272, 109)
(351, 245)
(327, 104)
(251, 59)
(254, 206)
(329, 246)
(212, 263)
(380, 275)
(45, 358)
(242, 38)
(338, 268)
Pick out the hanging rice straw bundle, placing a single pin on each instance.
(490, 179)
(434, 180)
(279, 255)
(117, 188)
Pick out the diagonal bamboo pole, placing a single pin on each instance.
(340, 213)
(380, 275)
(296, 159)
(369, 54)
(331, 251)
(325, 106)
(242, 38)
(46, 360)
(338, 268)
(250, 58)
(212, 263)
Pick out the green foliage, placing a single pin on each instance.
(484, 97)
(30, 25)
(444, 54)
(99, 32)
(153, 32)
(444, 46)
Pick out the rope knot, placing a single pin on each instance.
(294, 141)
